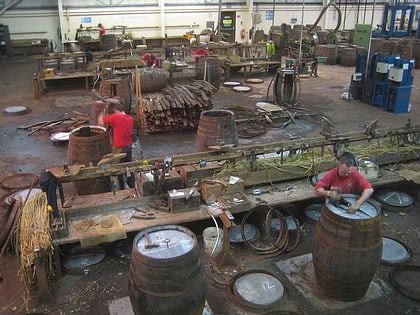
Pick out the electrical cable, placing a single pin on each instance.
(210, 264)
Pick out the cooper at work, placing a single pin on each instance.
(345, 179)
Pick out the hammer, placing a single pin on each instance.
(149, 244)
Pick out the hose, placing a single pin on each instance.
(322, 13)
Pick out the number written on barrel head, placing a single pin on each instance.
(266, 285)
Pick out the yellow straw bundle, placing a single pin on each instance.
(34, 239)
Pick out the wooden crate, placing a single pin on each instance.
(235, 203)
(178, 202)
(211, 188)
(197, 172)
(172, 181)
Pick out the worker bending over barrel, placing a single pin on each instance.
(200, 52)
(149, 60)
(345, 179)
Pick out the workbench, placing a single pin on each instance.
(123, 204)
(249, 65)
(66, 76)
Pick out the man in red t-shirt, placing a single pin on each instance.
(149, 60)
(347, 178)
(102, 30)
(200, 52)
(122, 133)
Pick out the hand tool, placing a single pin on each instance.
(148, 242)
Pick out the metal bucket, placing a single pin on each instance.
(208, 69)
(347, 249)
(117, 87)
(216, 127)
(87, 145)
(166, 274)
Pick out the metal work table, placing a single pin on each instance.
(84, 207)
(267, 64)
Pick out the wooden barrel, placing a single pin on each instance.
(348, 57)
(87, 145)
(416, 53)
(320, 51)
(376, 45)
(153, 79)
(216, 127)
(108, 41)
(166, 274)
(347, 249)
(331, 54)
(117, 87)
(208, 69)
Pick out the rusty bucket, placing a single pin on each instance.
(216, 128)
(347, 249)
(166, 274)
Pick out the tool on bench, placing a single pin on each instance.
(147, 215)
(148, 242)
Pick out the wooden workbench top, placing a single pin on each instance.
(123, 204)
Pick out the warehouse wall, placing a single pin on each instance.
(152, 21)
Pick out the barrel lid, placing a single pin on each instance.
(231, 83)
(17, 110)
(78, 260)
(60, 137)
(366, 211)
(18, 181)
(165, 242)
(406, 279)
(258, 289)
(313, 212)
(290, 222)
(254, 80)
(395, 198)
(242, 88)
(22, 194)
(394, 251)
(316, 178)
(235, 233)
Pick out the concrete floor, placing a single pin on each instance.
(106, 284)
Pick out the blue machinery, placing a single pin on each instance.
(395, 28)
(383, 80)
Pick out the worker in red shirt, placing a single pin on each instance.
(149, 60)
(345, 179)
(122, 133)
(102, 30)
(200, 52)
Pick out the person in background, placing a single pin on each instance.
(102, 30)
(149, 60)
(345, 179)
(122, 136)
(200, 52)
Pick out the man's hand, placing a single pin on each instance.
(354, 207)
(334, 195)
